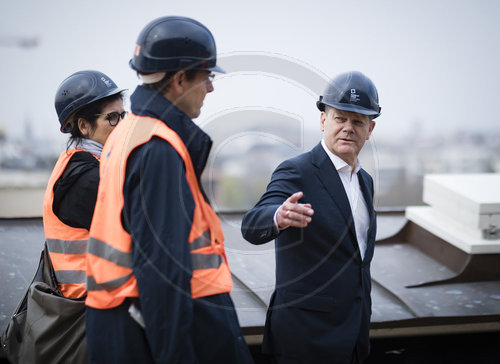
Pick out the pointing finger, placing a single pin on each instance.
(295, 197)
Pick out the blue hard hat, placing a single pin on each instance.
(351, 91)
(173, 43)
(80, 89)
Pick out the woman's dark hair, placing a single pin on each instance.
(88, 112)
(164, 83)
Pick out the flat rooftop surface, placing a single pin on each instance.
(420, 282)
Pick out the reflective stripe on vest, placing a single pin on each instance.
(102, 250)
(110, 278)
(67, 246)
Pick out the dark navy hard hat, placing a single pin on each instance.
(351, 91)
(173, 43)
(80, 89)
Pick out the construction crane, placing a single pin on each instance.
(19, 42)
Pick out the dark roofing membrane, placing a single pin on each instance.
(421, 284)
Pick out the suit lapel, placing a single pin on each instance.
(364, 182)
(330, 179)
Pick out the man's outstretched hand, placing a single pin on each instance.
(293, 213)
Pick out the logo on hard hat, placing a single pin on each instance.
(107, 82)
(354, 95)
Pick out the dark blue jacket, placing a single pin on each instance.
(320, 310)
(158, 212)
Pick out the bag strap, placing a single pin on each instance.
(47, 274)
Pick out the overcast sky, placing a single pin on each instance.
(436, 63)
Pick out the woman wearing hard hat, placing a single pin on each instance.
(88, 105)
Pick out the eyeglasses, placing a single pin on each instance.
(114, 117)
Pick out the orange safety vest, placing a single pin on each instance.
(67, 245)
(110, 278)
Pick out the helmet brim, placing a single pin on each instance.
(217, 69)
(348, 107)
(211, 69)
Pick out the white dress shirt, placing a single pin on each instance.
(349, 178)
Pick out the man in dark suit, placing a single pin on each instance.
(320, 309)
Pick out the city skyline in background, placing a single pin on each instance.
(240, 164)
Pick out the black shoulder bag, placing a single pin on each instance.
(46, 327)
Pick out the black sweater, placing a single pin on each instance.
(75, 192)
